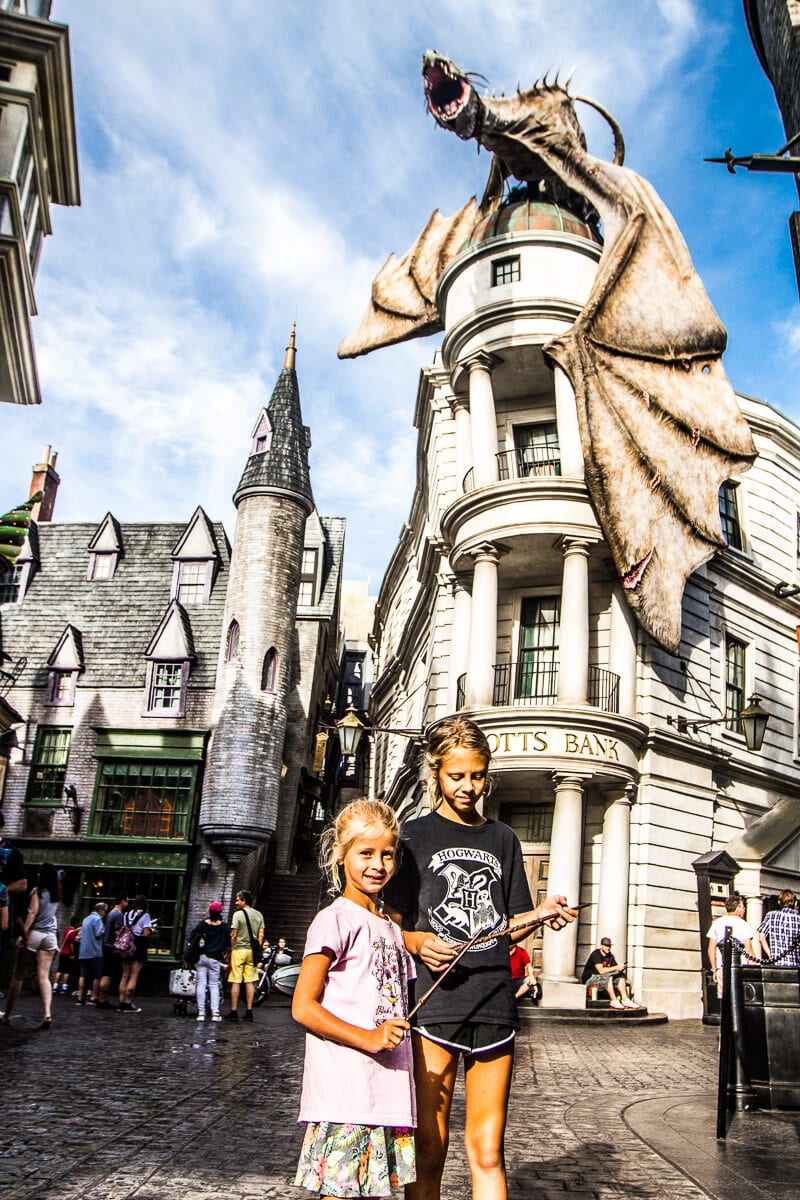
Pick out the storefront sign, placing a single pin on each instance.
(569, 743)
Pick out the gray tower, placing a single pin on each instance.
(254, 674)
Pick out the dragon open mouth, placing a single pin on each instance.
(450, 96)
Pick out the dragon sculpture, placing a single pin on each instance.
(660, 426)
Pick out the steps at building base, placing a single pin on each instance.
(588, 1016)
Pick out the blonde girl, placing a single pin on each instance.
(352, 997)
(462, 873)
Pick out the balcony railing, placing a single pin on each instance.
(521, 464)
(528, 683)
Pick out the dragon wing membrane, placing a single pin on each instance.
(403, 300)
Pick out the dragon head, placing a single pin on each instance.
(452, 100)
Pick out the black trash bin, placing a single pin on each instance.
(772, 1034)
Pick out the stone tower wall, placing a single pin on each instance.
(246, 752)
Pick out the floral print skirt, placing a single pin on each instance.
(355, 1160)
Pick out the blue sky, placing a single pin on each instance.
(246, 163)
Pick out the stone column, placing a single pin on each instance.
(483, 627)
(463, 423)
(569, 438)
(573, 638)
(459, 639)
(483, 419)
(622, 652)
(615, 861)
(564, 876)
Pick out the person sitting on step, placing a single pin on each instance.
(603, 970)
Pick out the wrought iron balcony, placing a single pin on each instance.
(527, 683)
(520, 464)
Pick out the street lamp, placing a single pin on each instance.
(204, 867)
(351, 729)
(753, 720)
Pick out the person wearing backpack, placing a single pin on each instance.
(136, 926)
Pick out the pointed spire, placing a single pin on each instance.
(281, 468)
(291, 350)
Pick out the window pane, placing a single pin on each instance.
(538, 451)
(729, 515)
(505, 270)
(49, 767)
(734, 683)
(165, 689)
(9, 588)
(538, 648)
(140, 799)
(192, 582)
(530, 822)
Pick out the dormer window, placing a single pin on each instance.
(169, 655)
(262, 434)
(64, 665)
(195, 562)
(105, 549)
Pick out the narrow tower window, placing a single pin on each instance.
(268, 670)
(232, 648)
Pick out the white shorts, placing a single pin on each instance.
(39, 939)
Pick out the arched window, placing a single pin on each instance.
(232, 647)
(268, 670)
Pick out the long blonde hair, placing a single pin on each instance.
(451, 734)
(349, 824)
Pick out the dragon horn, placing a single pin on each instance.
(619, 141)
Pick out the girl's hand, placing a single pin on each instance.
(387, 1036)
(555, 912)
(433, 950)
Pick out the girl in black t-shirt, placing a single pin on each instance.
(461, 873)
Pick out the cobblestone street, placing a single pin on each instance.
(149, 1106)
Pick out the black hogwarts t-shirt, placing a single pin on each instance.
(455, 880)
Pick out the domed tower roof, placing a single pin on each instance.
(520, 214)
(281, 466)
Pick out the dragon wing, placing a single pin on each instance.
(403, 300)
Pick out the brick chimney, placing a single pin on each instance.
(45, 479)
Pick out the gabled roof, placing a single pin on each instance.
(197, 539)
(107, 536)
(68, 653)
(173, 638)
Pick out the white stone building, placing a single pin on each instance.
(501, 602)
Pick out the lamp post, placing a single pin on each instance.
(351, 729)
(752, 718)
(204, 867)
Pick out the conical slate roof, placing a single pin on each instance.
(283, 466)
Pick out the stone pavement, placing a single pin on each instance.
(148, 1106)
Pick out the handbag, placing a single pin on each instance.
(182, 982)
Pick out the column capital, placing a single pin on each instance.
(481, 360)
(572, 779)
(623, 793)
(459, 402)
(576, 545)
(487, 552)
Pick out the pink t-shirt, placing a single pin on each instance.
(367, 983)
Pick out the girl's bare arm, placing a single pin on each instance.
(308, 1010)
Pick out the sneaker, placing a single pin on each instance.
(80, 1003)
(232, 1016)
(616, 1004)
(216, 1017)
(200, 1017)
(134, 1008)
(91, 1001)
(248, 1015)
(630, 1004)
